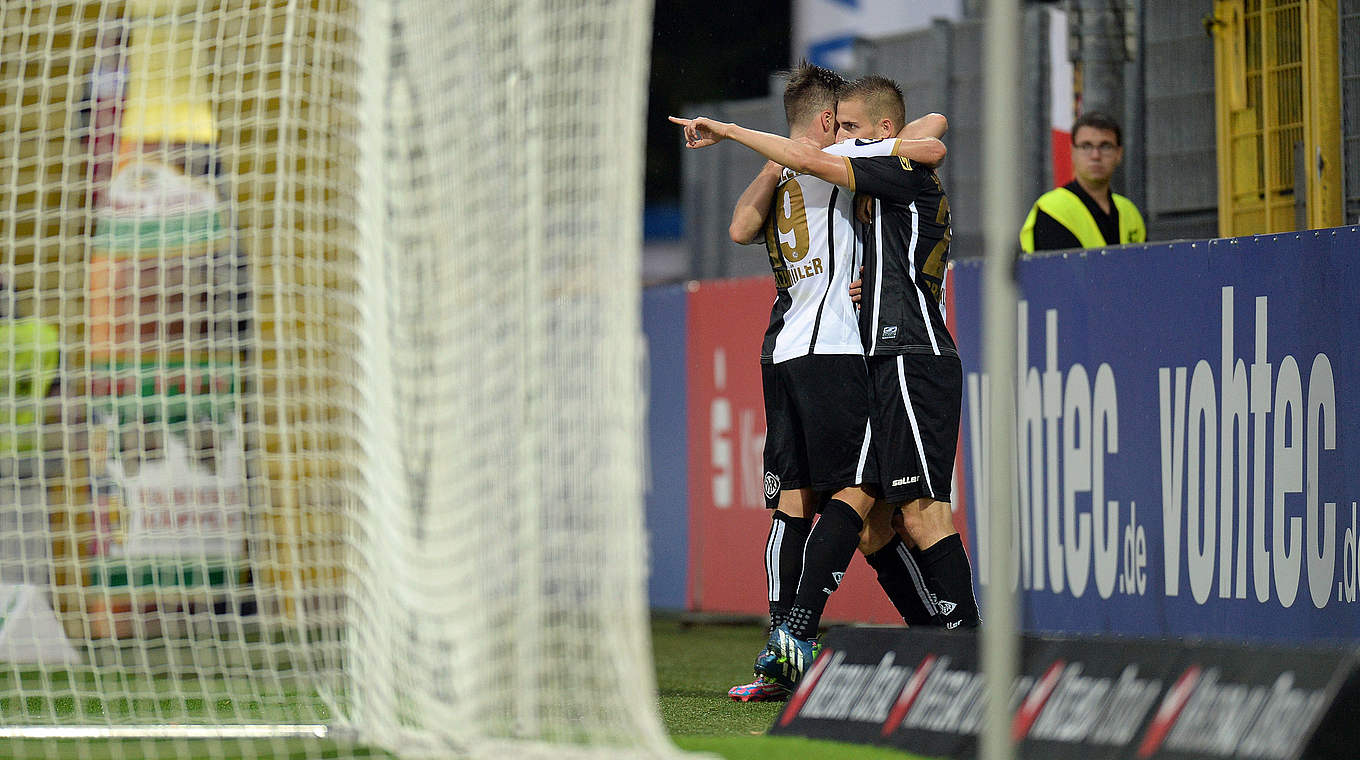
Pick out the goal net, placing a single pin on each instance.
(319, 420)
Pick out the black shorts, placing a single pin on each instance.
(916, 424)
(816, 424)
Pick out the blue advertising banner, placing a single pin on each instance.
(1188, 420)
(666, 474)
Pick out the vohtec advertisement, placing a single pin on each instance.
(1188, 422)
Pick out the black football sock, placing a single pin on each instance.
(903, 582)
(949, 576)
(784, 562)
(830, 547)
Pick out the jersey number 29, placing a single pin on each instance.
(790, 223)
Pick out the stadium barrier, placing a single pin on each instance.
(666, 477)
(1245, 340)
(1189, 420)
(1076, 698)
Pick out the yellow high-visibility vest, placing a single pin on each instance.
(1067, 208)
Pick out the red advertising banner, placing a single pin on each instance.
(728, 519)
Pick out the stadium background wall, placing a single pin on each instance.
(1150, 349)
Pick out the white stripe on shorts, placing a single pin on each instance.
(864, 451)
(911, 417)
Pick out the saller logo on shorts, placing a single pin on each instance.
(771, 485)
(890, 332)
(906, 481)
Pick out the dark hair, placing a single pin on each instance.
(810, 89)
(882, 98)
(1098, 120)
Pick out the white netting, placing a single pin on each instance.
(320, 325)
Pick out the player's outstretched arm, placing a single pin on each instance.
(754, 205)
(804, 159)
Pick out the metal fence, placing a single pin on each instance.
(1181, 150)
(1170, 92)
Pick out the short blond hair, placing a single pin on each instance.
(882, 98)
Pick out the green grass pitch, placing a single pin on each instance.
(695, 665)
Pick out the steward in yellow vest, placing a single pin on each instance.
(1068, 217)
(1084, 213)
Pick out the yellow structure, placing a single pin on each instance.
(167, 97)
(1276, 65)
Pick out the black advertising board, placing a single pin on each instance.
(1081, 698)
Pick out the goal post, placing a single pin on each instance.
(320, 430)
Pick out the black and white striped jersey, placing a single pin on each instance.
(906, 254)
(811, 240)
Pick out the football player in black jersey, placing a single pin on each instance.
(913, 363)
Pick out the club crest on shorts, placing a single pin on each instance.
(771, 485)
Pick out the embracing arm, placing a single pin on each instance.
(754, 205)
(928, 151)
(920, 140)
(930, 125)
